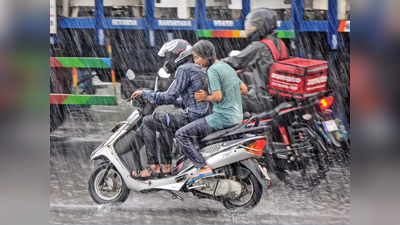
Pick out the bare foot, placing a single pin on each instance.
(146, 173)
(203, 170)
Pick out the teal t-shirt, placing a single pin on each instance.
(228, 111)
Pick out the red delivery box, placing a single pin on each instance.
(298, 77)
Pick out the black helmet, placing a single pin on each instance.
(176, 52)
(260, 23)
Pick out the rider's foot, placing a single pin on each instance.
(166, 169)
(203, 170)
(146, 173)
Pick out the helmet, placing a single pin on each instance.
(176, 52)
(260, 23)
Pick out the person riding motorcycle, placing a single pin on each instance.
(189, 78)
(255, 60)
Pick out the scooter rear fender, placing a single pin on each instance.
(255, 169)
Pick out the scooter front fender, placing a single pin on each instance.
(98, 153)
(107, 152)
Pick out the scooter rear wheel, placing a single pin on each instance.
(250, 197)
(112, 191)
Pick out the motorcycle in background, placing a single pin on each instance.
(305, 140)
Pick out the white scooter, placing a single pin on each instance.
(238, 179)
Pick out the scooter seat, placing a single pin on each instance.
(235, 132)
(220, 133)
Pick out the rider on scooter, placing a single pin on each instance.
(224, 92)
(255, 60)
(189, 78)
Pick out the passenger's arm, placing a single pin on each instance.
(243, 89)
(202, 96)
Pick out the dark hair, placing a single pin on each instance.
(205, 50)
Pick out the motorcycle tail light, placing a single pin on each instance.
(325, 103)
(258, 146)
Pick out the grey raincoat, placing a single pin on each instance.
(256, 60)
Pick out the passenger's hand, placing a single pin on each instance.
(136, 93)
(200, 96)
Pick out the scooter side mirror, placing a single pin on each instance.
(130, 75)
(233, 53)
(163, 74)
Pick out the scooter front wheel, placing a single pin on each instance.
(111, 190)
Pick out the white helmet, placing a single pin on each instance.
(175, 52)
(180, 47)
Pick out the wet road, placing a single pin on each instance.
(70, 202)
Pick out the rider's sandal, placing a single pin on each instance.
(138, 175)
(165, 174)
(153, 175)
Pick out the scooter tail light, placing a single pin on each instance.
(325, 103)
(258, 146)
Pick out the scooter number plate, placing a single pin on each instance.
(330, 126)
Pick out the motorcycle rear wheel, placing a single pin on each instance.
(312, 171)
(112, 191)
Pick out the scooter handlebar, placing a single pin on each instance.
(136, 97)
